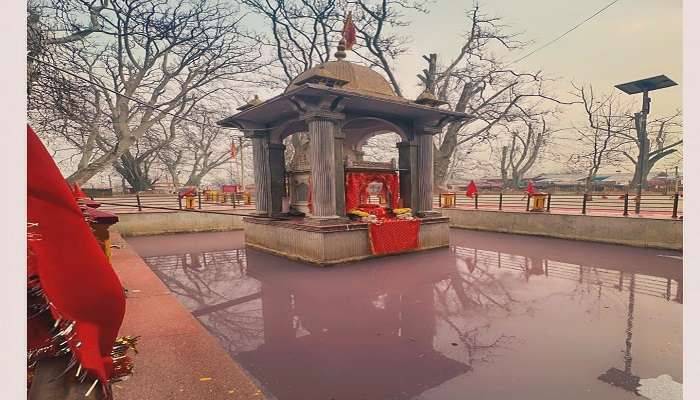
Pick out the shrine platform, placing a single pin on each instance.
(331, 243)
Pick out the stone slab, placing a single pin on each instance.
(325, 245)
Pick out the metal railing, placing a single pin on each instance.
(651, 205)
(172, 202)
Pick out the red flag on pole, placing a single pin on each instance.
(531, 188)
(349, 32)
(471, 189)
(73, 272)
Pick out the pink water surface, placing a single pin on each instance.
(493, 317)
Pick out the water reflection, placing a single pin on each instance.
(426, 325)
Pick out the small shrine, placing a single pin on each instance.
(319, 211)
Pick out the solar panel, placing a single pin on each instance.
(647, 84)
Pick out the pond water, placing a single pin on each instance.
(493, 317)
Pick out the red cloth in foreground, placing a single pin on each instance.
(394, 235)
(356, 187)
(471, 189)
(73, 271)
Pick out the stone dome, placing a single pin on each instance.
(359, 78)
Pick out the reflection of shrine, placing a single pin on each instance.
(341, 105)
(347, 341)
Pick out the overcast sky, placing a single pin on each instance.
(632, 39)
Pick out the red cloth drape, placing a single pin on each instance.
(77, 191)
(393, 235)
(73, 271)
(356, 187)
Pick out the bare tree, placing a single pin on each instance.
(148, 60)
(664, 136)
(597, 143)
(374, 22)
(477, 82)
(525, 146)
(198, 149)
(41, 38)
(301, 32)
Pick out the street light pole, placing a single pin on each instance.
(643, 86)
(640, 122)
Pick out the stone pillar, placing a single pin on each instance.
(277, 177)
(322, 160)
(261, 171)
(425, 174)
(408, 173)
(339, 172)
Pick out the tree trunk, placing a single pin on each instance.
(85, 174)
(441, 166)
(443, 156)
(132, 170)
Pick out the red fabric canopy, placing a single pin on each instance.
(356, 187)
(393, 235)
(73, 271)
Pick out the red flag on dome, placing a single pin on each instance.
(73, 272)
(471, 189)
(349, 32)
(531, 188)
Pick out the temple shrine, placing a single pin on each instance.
(318, 211)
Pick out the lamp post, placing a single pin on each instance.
(643, 86)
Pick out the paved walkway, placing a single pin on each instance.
(178, 358)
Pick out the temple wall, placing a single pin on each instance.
(156, 223)
(632, 231)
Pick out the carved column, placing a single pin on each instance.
(339, 172)
(425, 173)
(322, 160)
(408, 173)
(277, 177)
(261, 171)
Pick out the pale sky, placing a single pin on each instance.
(632, 39)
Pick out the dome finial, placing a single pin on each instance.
(340, 54)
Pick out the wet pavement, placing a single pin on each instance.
(493, 317)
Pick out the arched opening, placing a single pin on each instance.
(372, 139)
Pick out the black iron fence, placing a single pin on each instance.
(649, 204)
(208, 201)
